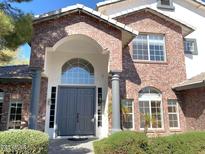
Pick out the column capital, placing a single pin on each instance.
(113, 72)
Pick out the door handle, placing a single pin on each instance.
(77, 117)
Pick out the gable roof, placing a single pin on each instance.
(15, 72)
(107, 2)
(186, 28)
(87, 10)
(194, 82)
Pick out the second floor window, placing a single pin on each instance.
(190, 46)
(165, 4)
(149, 47)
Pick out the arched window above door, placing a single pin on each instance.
(77, 71)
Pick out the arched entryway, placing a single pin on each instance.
(77, 68)
(76, 103)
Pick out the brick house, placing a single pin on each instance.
(96, 72)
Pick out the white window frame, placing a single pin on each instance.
(149, 97)
(177, 113)
(133, 121)
(195, 49)
(148, 47)
(1, 102)
(16, 102)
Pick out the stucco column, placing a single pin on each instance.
(115, 102)
(35, 97)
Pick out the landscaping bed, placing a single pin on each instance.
(128, 142)
(23, 142)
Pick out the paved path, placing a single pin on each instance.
(65, 146)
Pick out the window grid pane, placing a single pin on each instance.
(150, 110)
(149, 47)
(189, 46)
(77, 71)
(15, 115)
(127, 114)
(173, 114)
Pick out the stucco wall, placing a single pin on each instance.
(137, 75)
(55, 61)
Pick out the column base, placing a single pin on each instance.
(115, 130)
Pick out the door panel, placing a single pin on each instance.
(85, 108)
(75, 111)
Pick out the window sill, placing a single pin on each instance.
(150, 62)
(175, 130)
(160, 130)
(166, 7)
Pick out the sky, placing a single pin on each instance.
(43, 6)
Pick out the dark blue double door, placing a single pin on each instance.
(75, 111)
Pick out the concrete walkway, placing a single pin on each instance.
(65, 146)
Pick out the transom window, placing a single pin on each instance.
(150, 107)
(15, 115)
(173, 113)
(127, 113)
(77, 71)
(1, 102)
(149, 47)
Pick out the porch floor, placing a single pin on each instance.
(65, 146)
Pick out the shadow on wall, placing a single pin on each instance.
(129, 72)
(193, 107)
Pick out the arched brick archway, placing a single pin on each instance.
(48, 33)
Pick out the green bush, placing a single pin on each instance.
(126, 142)
(189, 143)
(137, 143)
(23, 141)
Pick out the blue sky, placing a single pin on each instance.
(43, 6)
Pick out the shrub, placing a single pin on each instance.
(189, 143)
(23, 141)
(126, 142)
(137, 143)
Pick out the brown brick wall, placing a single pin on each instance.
(137, 75)
(48, 33)
(22, 92)
(194, 108)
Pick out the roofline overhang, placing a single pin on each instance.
(189, 86)
(81, 8)
(108, 2)
(186, 28)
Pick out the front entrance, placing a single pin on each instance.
(75, 111)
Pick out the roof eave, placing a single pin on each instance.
(189, 86)
(86, 10)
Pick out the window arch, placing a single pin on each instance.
(77, 71)
(150, 108)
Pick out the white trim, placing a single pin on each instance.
(177, 113)
(149, 99)
(133, 115)
(148, 47)
(9, 112)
